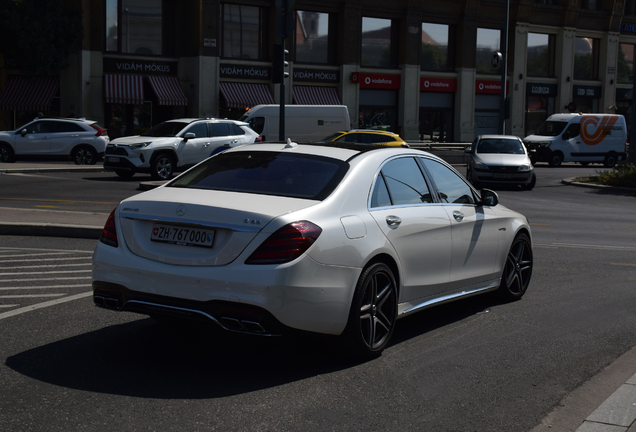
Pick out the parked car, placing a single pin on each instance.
(367, 136)
(81, 140)
(175, 145)
(499, 159)
(340, 240)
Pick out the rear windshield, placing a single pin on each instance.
(267, 173)
(551, 128)
(165, 129)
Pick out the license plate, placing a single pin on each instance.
(182, 235)
(502, 175)
(113, 159)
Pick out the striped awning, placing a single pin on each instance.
(309, 95)
(245, 95)
(29, 93)
(125, 89)
(168, 90)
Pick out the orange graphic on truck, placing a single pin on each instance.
(599, 128)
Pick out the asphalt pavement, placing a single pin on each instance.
(617, 383)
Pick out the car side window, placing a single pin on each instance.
(236, 129)
(59, 126)
(380, 196)
(573, 130)
(38, 127)
(199, 130)
(219, 130)
(451, 188)
(404, 182)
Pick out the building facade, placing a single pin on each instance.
(422, 69)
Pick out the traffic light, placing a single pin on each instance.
(279, 64)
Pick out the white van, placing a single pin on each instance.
(584, 138)
(302, 122)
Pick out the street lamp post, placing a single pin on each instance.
(504, 72)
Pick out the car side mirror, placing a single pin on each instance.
(566, 135)
(189, 135)
(468, 150)
(489, 198)
(23, 132)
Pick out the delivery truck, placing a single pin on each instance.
(303, 123)
(583, 138)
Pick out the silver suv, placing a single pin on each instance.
(84, 141)
(174, 145)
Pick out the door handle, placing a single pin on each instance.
(234, 141)
(74, 136)
(206, 145)
(393, 221)
(459, 216)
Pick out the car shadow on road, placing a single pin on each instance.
(145, 359)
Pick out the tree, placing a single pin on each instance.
(38, 35)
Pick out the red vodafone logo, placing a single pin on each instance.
(438, 84)
(376, 80)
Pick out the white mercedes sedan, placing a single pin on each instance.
(337, 239)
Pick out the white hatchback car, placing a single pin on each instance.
(499, 159)
(175, 145)
(334, 239)
(81, 140)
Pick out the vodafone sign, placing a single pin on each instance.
(438, 84)
(490, 87)
(376, 80)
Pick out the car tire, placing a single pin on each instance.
(124, 173)
(6, 154)
(517, 269)
(84, 155)
(610, 160)
(533, 182)
(373, 312)
(162, 167)
(556, 159)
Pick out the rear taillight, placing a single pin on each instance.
(259, 139)
(99, 130)
(286, 244)
(109, 233)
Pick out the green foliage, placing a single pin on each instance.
(621, 175)
(38, 35)
(433, 58)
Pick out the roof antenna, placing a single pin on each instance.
(290, 144)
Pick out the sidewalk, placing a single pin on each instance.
(577, 412)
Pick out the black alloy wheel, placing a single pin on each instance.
(374, 311)
(162, 167)
(610, 160)
(6, 154)
(517, 269)
(84, 156)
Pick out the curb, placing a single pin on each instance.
(572, 182)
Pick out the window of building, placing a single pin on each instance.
(134, 26)
(312, 37)
(488, 42)
(586, 52)
(591, 4)
(540, 62)
(625, 69)
(434, 47)
(377, 39)
(243, 32)
(630, 7)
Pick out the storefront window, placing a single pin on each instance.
(488, 42)
(586, 58)
(540, 55)
(376, 42)
(134, 26)
(312, 37)
(625, 69)
(539, 108)
(434, 47)
(242, 32)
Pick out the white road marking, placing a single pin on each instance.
(43, 254)
(44, 304)
(43, 279)
(8, 306)
(42, 259)
(46, 272)
(46, 266)
(31, 295)
(585, 246)
(44, 287)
